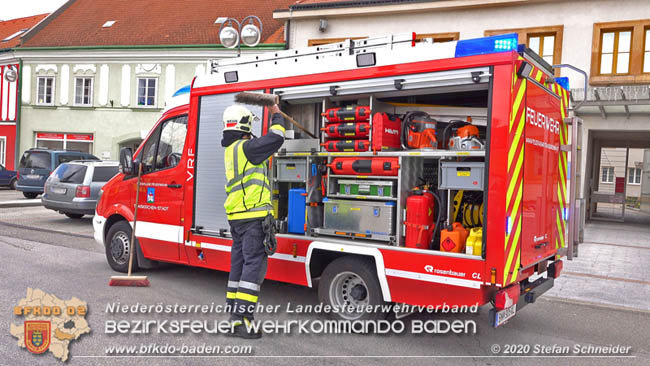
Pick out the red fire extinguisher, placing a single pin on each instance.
(420, 225)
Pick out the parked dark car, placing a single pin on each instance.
(37, 164)
(7, 177)
(73, 188)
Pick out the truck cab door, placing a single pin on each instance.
(540, 192)
(160, 207)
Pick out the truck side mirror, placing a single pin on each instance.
(126, 161)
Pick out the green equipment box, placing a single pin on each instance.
(366, 188)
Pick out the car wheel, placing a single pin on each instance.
(30, 195)
(74, 215)
(118, 247)
(13, 183)
(351, 282)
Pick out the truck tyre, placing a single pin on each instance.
(74, 215)
(352, 281)
(30, 195)
(12, 184)
(118, 245)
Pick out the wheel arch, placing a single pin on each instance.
(320, 254)
(110, 221)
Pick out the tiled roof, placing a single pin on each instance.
(321, 4)
(149, 22)
(11, 27)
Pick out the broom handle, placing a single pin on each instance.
(293, 122)
(135, 219)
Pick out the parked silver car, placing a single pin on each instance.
(73, 188)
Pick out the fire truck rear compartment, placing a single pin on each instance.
(369, 205)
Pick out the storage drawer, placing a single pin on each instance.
(292, 170)
(466, 175)
(364, 217)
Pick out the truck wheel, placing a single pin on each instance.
(352, 282)
(12, 184)
(74, 215)
(30, 195)
(118, 246)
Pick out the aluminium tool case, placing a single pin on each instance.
(362, 217)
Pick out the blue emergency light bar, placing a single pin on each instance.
(485, 45)
(563, 82)
(184, 90)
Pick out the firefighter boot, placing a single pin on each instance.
(244, 329)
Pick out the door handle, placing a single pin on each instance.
(173, 185)
(541, 245)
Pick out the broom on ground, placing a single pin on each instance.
(129, 280)
(268, 100)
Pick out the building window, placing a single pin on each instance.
(147, 92)
(66, 141)
(615, 52)
(322, 41)
(45, 90)
(608, 175)
(3, 150)
(438, 37)
(544, 41)
(634, 175)
(621, 53)
(83, 91)
(646, 52)
(543, 45)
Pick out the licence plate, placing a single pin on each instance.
(59, 190)
(32, 176)
(504, 315)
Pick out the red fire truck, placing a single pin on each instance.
(439, 174)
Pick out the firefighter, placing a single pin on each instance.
(249, 209)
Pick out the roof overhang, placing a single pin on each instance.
(128, 54)
(613, 101)
(356, 8)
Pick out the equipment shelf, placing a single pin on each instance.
(405, 153)
(362, 197)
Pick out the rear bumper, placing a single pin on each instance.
(29, 189)
(78, 206)
(530, 292)
(98, 224)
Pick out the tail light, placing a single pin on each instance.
(82, 191)
(506, 297)
(555, 268)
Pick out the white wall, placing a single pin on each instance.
(577, 17)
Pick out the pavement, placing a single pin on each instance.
(611, 267)
(601, 298)
(83, 273)
(10, 198)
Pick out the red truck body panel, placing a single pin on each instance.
(412, 276)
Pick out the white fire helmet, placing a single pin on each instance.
(238, 118)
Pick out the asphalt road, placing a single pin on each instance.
(59, 257)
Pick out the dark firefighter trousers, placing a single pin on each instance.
(247, 267)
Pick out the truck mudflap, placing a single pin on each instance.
(528, 293)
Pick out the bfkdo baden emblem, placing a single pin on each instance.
(37, 335)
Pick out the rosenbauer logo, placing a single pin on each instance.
(543, 121)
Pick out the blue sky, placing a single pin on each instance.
(24, 8)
